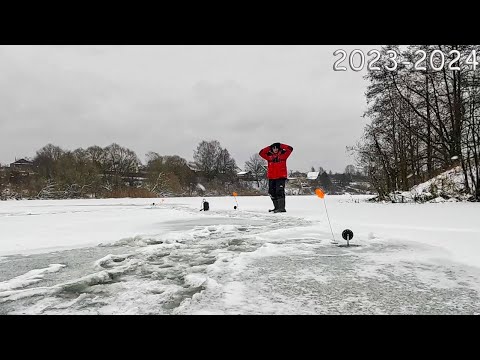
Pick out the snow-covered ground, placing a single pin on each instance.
(128, 256)
(448, 186)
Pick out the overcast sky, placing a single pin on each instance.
(168, 98)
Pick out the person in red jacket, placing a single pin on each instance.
(277, 155)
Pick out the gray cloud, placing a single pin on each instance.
(169, 98)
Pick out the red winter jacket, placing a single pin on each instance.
(277, 163)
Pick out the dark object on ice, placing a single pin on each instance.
(235, 207)
(347, 234)
(205, 205)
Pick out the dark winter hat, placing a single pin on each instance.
(275, 145)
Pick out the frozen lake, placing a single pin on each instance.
(128, 256)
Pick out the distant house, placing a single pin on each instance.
(244, 174)
(20, 171)
(22, 165)
(192, 166)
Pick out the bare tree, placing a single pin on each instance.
(256, 165)
(119, 162)
(45, 160)
(168, 174)
(226, 167)
(206, 156)
(214, 161)
(350, 170)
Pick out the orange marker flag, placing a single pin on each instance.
(234, 193)
(320, 193)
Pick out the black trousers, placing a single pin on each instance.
(276, 188)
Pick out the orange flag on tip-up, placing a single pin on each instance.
(234, 193)
(320, 193)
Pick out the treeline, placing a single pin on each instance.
(116, 171)
(423, 122)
